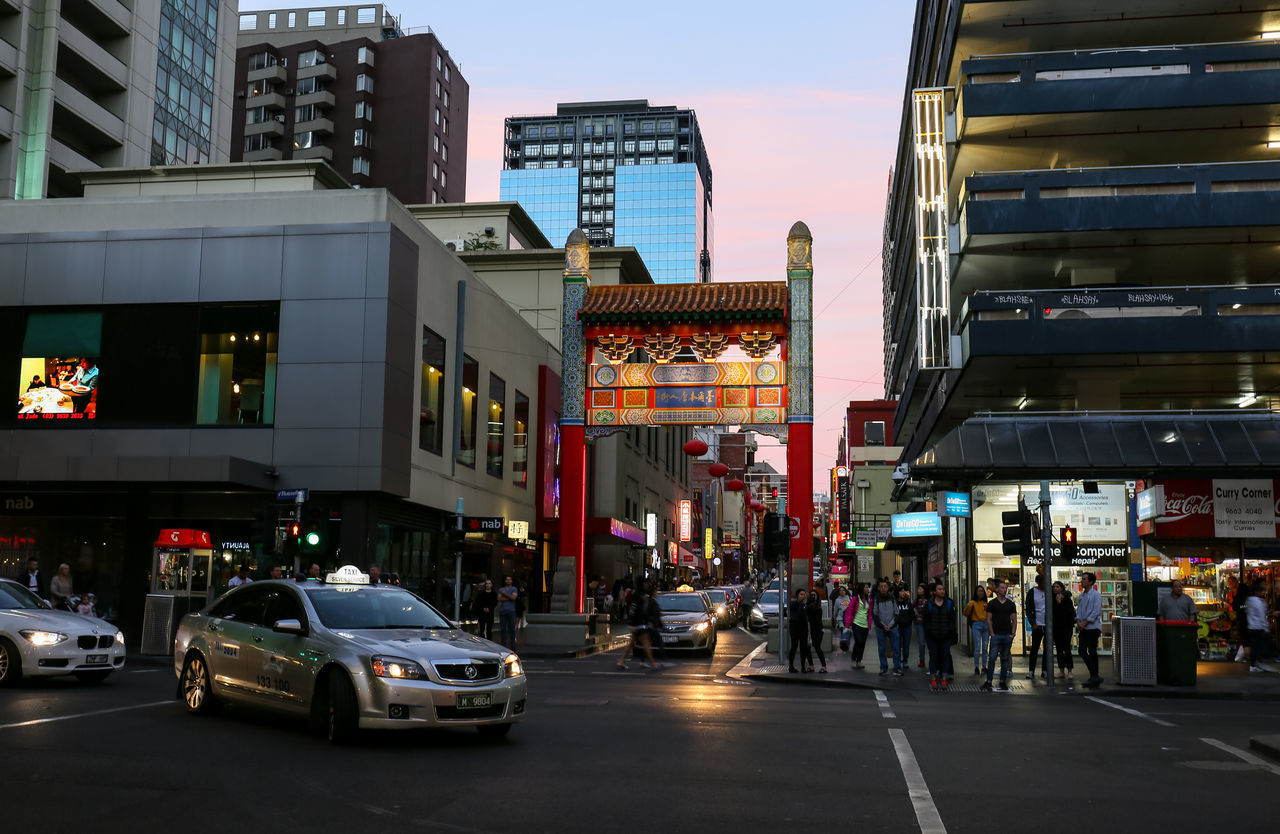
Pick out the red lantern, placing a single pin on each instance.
(757, 506)
(695, 448)
(734, 485)
(718, 470)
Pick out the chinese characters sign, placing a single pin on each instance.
(708, 393)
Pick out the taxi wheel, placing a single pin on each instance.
(10, 663)
(493, 730)
(196, 691)
(342, 719)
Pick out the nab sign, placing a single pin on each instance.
(483, 524)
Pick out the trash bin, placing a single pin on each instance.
(1176, 652)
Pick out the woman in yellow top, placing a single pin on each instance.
(976, 611)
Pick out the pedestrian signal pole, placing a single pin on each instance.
(1046, 542)
(784, 590)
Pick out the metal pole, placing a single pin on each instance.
(784, 590)
(457, 565)
(1046, 541)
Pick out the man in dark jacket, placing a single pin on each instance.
(798, 624)
(940, 631)
(33, 579)
(884, 618)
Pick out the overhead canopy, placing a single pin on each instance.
(650, 303)
(1086, 446)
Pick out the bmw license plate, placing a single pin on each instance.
(475, 701)
(670, 638)
(96, 658)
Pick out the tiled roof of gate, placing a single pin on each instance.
(685, 302)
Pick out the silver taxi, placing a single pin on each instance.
(347, 654)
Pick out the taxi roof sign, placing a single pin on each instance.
(347, 575)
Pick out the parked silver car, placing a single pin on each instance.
(764, 614)
(688, 622)
(38, 640)
(349, 655)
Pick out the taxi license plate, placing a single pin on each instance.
(670, 638)
(96, 658)
(475, 701)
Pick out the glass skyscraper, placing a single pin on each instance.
(183, 129)
(626, 173)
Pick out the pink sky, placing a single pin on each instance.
(799, 107)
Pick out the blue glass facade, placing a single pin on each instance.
(549, 196)
(182, 129)
(658, 208)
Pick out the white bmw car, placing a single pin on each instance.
(39, 641)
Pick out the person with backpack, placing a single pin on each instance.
(940, 631)
(976, 613)
(856, 621)
(641, 612)
(885, 617)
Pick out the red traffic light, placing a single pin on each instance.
(1068, 535)
(775, 492)
(294, 529)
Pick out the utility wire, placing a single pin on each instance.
(848, 284)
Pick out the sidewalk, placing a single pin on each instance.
(1217, 680)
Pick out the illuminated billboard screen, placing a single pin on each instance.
(59, 374)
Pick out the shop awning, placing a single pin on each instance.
(1075, 446)
(612, 531)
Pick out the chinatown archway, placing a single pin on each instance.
(604, 391)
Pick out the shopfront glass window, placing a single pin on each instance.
(520, 442)
(238, 351)
(497, 426)
(431, 413)
(467, 433)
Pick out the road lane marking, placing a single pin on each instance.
(1243, 755)
(883, 701)
(926, 812)
(35, 721)
(743, 666)
(1132, 712)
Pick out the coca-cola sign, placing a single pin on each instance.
(1223, 508)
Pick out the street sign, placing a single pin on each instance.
(298, 495)
(864, 564)
(866, 537)
(483, 524)
(795, 526)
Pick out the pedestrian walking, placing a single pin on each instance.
(839, 605)
(640, 616)
(922, 597)
(908, 617)
(1089, 621)
(856, 619)
(507, 596)
(884, 614)
(1255, 615)
(813, 612)
(976, 613)
(1002, 619)
(798, 625)
(60, 587)
(1064, 614)
(1033, 610)
(483, 605)
(940, 631)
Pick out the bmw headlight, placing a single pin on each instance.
(702, 626)
(396, 667)
(43, 638)
(120, 638)
(513, 666)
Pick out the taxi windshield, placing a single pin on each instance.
(354, 608)
(681, 602)
(13, 595)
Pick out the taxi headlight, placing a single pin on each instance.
(43, 638)
(513, 666)
(396, 667)
(702, 626)
(720, 609)
(757, 614)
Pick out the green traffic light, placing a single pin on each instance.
(313, 538)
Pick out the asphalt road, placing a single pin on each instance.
(684, 749)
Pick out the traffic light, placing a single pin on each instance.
(293, 532)
(315, 527)
(1016, 533)
(775, 492)
(1070, 548)
(775, 537)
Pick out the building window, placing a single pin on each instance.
(307, 86)
(365, 14)
(260, 142)
(342, 17)
(437, 89)
(550, 132)
(434, 197)
(873, 433)
(436, 139)
(666, 144)
(256, 115)
(665, 127)
(315, 18)
(293, 19)
(437, 115)
(435, 170)
(364, 110)
(431, 404)
(360, 165)
(567, 163)
(520, 442)
(467, 433)
(306, 113)
(364, 55)
(262, 60)
(362, 137)
(364, 83)
(646, 160)
(568, 131)
(646, 127)
(439, 61)
(237, 365)
(497, 426)
(444, 179)
(444, 153)
(629, 146)
(646, 145)
(586, 217)
(566, 149)
(306, 139)
(311, 58)
(444, 125)
(446, 72)
(248, 22)
(665, 160)
(550, 149)
(628, 128)
(271, 20)
(446, 103)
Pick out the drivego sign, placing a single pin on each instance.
(908, 525)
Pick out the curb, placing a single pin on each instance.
(1268, 746)
(599, 648)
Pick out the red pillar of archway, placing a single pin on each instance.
(800, 417)
(573, 503)
(800, 500)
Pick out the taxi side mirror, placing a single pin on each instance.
(294, 627)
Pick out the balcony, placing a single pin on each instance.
(264, 155)
(271, 127)
(315, 152)
(8, 59)
(320, 98)
(80, 54)
(108, 127)
(271, 101)
(6, 123)
(1172, 221)
(328, 71)
(273, 74)
(314, 126)
(1155, 104)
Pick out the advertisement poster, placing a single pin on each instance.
(1244, 509)
(58, 388)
